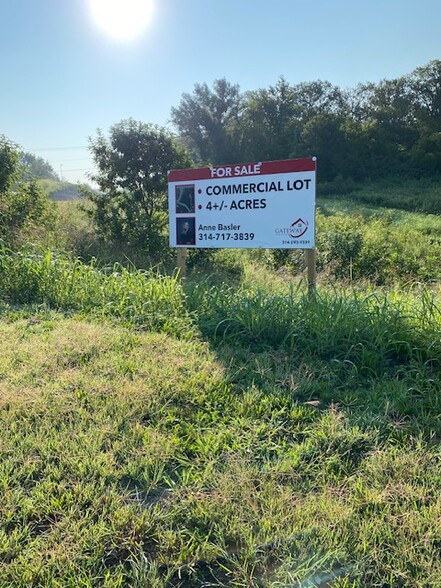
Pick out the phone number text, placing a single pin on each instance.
(225, 236)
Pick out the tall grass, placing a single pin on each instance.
(296, 446)
(141, 297)
(370, 330)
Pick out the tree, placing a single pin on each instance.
(34, 167)
(285, 121)
(317, 98)
(8, 163)
(23, 205)
(425, 88)
(270, 126)
(130, 204)
(380, 129)
(324, 137)
(207, 119)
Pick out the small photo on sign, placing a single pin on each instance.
(185, 231)
(184, 199)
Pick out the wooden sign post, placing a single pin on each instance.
(182, 262)
(311, 266)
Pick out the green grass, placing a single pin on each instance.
(145, 298)
(424, 223)
(278, 442)
(120, 468)
(423, 195)
(372, 233)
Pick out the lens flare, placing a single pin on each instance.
(122, 20)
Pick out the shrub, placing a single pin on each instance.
(130, 204)
(25, 212)
(24, 208)
(375, 248)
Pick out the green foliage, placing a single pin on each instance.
(24, 208)
(207, 120)
(362, 242)
(270, 123)
(26, 211)
(400, 194)
(8, 163)
(388, 129)
(34, 167)
(340, 241)
(369, 332)
(130, 203)
(138, 297)
(76, 236)
(377, 249)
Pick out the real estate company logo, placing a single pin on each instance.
(297, 229)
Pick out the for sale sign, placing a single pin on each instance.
(268, 204)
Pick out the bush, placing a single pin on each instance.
(352, 247)
(339, 242)
(25, 212)
(24, 208)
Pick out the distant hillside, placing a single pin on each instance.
(68, 192)
(57, 190)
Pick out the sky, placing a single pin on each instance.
(63, 77)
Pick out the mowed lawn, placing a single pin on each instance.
(136, 459)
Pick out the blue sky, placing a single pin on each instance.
(62, 77)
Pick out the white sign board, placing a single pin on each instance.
(268, 204)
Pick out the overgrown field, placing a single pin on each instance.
(384, 233)
(237, 435)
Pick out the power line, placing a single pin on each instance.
(57, 148)
(77, 170)
(78, 159)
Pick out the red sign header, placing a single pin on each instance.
(262, 168)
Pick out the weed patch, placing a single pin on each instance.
(146, 299)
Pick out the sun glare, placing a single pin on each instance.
(122, 19)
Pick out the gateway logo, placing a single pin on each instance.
(296, 230)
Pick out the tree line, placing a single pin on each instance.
(392, 128)
(376, 130)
